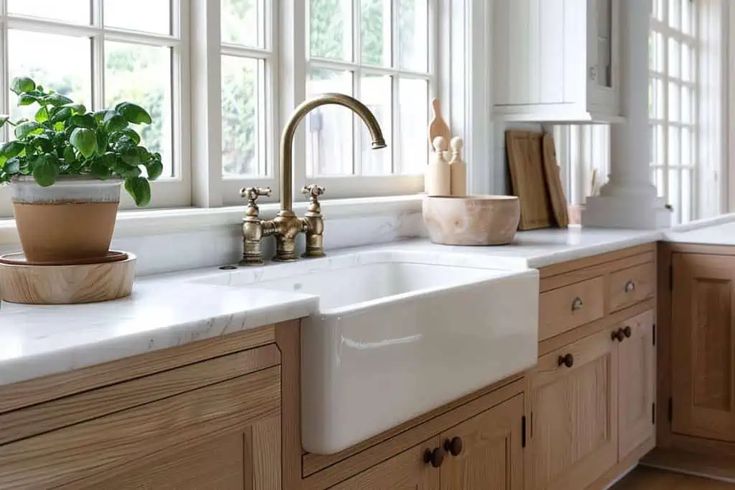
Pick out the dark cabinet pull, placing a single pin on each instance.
(567, 360)
(629, 286)
(435, 457)
(577, 304)
(618, 335)
(627, 331)
(453, 446)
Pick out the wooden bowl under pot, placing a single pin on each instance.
(472, 220)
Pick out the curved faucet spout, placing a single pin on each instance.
(290, 130)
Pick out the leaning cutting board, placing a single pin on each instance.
(525, 161)
(553, 183)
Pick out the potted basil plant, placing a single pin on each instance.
(65, 168)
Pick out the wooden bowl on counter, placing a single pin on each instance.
(471, 220)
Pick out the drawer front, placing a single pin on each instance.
(570, 306)
(631, 286)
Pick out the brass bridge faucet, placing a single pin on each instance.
(286, 225)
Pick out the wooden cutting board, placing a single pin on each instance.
(553, 183)
(525, 161)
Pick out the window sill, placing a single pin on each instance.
(178, 220)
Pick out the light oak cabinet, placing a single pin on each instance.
(210, 424)
(703, 346)
(556, 60)
(483, 452)
(574, 414)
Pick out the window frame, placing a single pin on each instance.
(166, 192)
(690, 40)
(371, 185)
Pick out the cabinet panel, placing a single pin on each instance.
(122, 441)
(703, 348)
(574, 414)
(406, 471)
(637, 390)
(241, 460)
(492, 453)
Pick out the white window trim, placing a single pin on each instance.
(165, 192)
(658, 26)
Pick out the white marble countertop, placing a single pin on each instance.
(713, 231)
(171, 310)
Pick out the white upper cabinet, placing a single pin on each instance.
(556, 60)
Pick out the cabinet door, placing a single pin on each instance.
(491, 455)
(703, 346)
(180, 441)
(637, 389)
(405, 471)
(574, 416)
(249, 459)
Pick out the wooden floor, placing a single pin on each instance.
(646, 478)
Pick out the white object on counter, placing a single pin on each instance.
(438, 174)
(458, 168)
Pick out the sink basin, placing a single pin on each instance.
(397, 335)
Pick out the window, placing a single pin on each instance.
(583, 152)
(672, 105)
(378, 51)
(215, 85)
(100, 52)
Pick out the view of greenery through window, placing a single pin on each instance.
(377, 75)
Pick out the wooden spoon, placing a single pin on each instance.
(438, 126)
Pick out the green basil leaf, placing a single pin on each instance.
(57, 99)
(84, 140)
(115, 123)
(139, 189)
(82, 121)
(75, 108)
(11, 149)
(26, 99)
(69, 155)
(22, 84)
(133, 113)
(155, 169)
(25, 129)
(12, 166)
(60, 114)
(4, 118)
(130, 135)
(45, 170)
(42, 115)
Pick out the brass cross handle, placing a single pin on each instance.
(313, 191)
(253, 193)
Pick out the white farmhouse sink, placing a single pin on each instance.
(395, 337)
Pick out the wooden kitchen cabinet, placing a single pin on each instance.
(489, 455)
(556, 60)
(491, 450)
(703, 346)
(637, 383)
(209, 424)
(574, 413)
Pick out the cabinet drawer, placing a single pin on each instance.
(570, 306)
(121, 439)
(631, 286)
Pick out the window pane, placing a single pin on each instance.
(686, 195)
(687, 63)
(659, 182)
(658, 144)
(687, 24)
(657, 52)
(674, 13)
(413, 35)
(61, 63)
(329, 128)
(375, 93)
(241, 127)
(331, 29)
(686, 105)
(413, 103)
(674, 58)
(673, 197)
(674, 157)
(142, 75)
(686, 146)
(241, 22)
(139, 15)
(76, 11)
(375, 32)
(658, 9)
(673, 102)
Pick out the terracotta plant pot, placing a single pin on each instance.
(72, 219)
